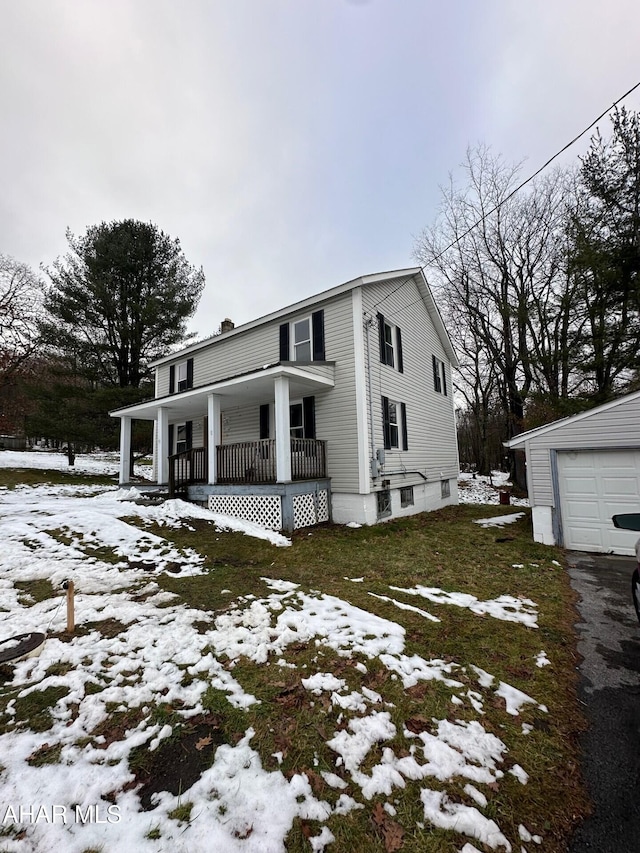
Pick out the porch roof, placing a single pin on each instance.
(245, 389)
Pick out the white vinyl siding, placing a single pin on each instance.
(241, 424)
(335, 410)
(432, 443)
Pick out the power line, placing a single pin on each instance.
(511, 194)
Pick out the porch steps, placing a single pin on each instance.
(155, 496)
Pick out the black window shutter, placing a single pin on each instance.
(171, 434)
(436, 378)
(284, 342)
(444, 379)
(317, 327)
(383, 349)
(309, 416)
(264, 421)
(403, 415)
(399, 348)
(189, 373)
(385, 423)
(172, 379)
(188, 430)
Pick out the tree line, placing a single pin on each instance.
(77, 339)
(539, 289)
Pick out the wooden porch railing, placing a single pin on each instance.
(247, 462)
(255, 461)
(186, 468)
(308, 459)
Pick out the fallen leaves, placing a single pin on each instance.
(390, 830)
(204, 741)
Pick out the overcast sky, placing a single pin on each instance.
(290, 145)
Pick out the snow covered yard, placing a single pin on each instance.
(404, 687)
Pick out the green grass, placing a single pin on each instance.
(34, 709)
(12, 477)
(35, 590)
(442, 549)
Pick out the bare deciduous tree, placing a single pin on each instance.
(20, 311)
(497, 263)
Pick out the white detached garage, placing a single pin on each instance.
(582, 470)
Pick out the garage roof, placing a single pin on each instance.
(520, 440)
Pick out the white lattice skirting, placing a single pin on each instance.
(308, 511)
(266, 510)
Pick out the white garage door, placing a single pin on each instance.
(594, 485)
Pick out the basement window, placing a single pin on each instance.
(384, 503)
(406, 496)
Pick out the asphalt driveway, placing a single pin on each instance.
(609, 642)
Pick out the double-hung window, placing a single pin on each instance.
(181, 370)
(390, 338)
(181, 376)
(302, 418)
(180, 437)
(439, 376)
(303, 339)
(394, 425)
(296, 422)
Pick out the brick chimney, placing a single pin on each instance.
(226, 325)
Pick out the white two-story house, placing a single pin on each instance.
(338, 407)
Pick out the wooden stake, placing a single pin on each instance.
(70, 609)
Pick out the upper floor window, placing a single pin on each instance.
(390, 344)
(181, 376)
(439, 376)
(303, 339)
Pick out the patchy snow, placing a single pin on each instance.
(499, 520)
(442, 812)
(402, 606)
(505, 607)
(479, 489)
(164, 651)
(85, 463)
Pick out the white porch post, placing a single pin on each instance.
(213, 436)
(163, 446)
(154, 454)
(283, 430)
(125, 449)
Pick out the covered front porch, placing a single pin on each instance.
(205, 463)
(247, 462)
